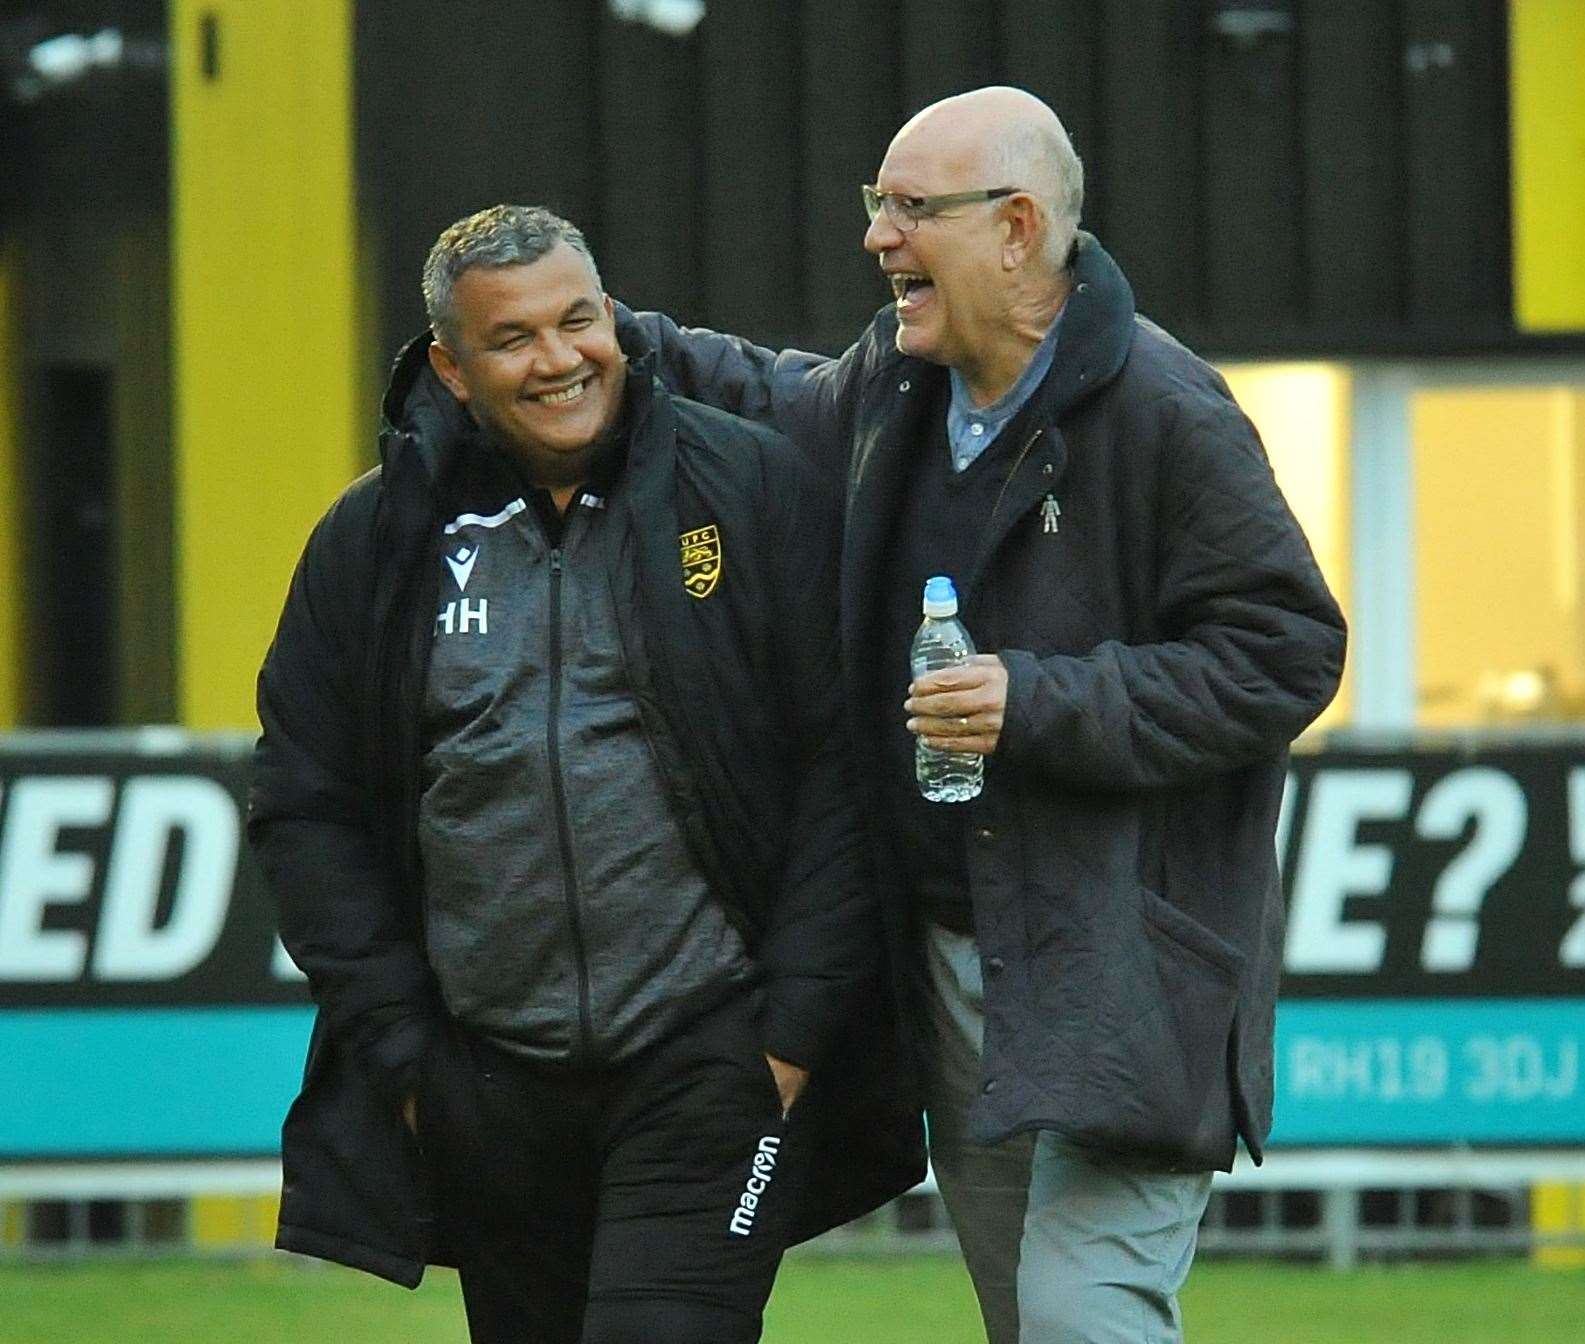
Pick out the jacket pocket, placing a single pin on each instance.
(1189, 934)
(1160, 1083)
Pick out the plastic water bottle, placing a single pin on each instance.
(941, 641)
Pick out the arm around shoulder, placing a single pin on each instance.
(809, 398)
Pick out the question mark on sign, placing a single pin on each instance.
(282, 967)
(1572, 952)
(1497, 805)
(1290, 786)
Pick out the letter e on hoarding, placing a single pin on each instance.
(1333, 866)
(153, 808)
(34, 874)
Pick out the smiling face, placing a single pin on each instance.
(533, 355)
(946, 273)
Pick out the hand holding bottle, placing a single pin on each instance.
(960, 708)
(945, 699)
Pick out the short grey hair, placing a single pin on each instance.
(1041, 160)
(503, 235)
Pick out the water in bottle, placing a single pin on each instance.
(941, 641)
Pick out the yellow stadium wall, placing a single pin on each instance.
(265, 321)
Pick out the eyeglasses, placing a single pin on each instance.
(905, 212)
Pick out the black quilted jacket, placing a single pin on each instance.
(743, 710)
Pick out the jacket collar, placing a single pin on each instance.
(1097, 331)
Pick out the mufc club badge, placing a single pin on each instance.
(701, 560)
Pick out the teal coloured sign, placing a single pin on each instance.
(1430, 1071)
(148, 1082)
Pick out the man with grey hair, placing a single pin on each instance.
(503, 235)
(552, 795)
(1087, 953)
(1036, 151)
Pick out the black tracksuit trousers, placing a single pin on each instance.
(644, 1204)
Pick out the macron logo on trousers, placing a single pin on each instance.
(759, 1177)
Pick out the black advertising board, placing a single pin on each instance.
(1435, 962)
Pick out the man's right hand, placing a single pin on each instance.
(410, 1114)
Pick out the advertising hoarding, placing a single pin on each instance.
(1434, 989)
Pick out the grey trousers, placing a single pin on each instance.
(1064, 1246)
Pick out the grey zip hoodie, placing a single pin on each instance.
(565, 917)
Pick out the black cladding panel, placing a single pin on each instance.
(851, 105)
(1148, 152)
(751, 139)
(462, 106)
(946, 49)
(70, 463)
(1275, 176)
(1455, 141)
(650, 235)
(1251, 155)
(1354, 223)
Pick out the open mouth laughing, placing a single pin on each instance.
(911, 289)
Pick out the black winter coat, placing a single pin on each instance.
(1163, 645)
(742, 711)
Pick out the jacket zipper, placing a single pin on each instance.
(585, 1043)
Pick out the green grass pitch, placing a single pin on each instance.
(905, 1299)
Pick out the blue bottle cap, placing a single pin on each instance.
(941, 598)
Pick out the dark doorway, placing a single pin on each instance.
(70, 542)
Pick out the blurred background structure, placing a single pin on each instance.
(212, 219)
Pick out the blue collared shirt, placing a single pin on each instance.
(970, 428)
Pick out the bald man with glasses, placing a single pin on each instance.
(1086, 955)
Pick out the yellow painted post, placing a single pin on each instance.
(216, 1221)
(1546, 55)
(10, 498)
(221, 1222)
(1559, 1210)
(264, 320)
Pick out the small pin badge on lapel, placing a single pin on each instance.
(1050, 512)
